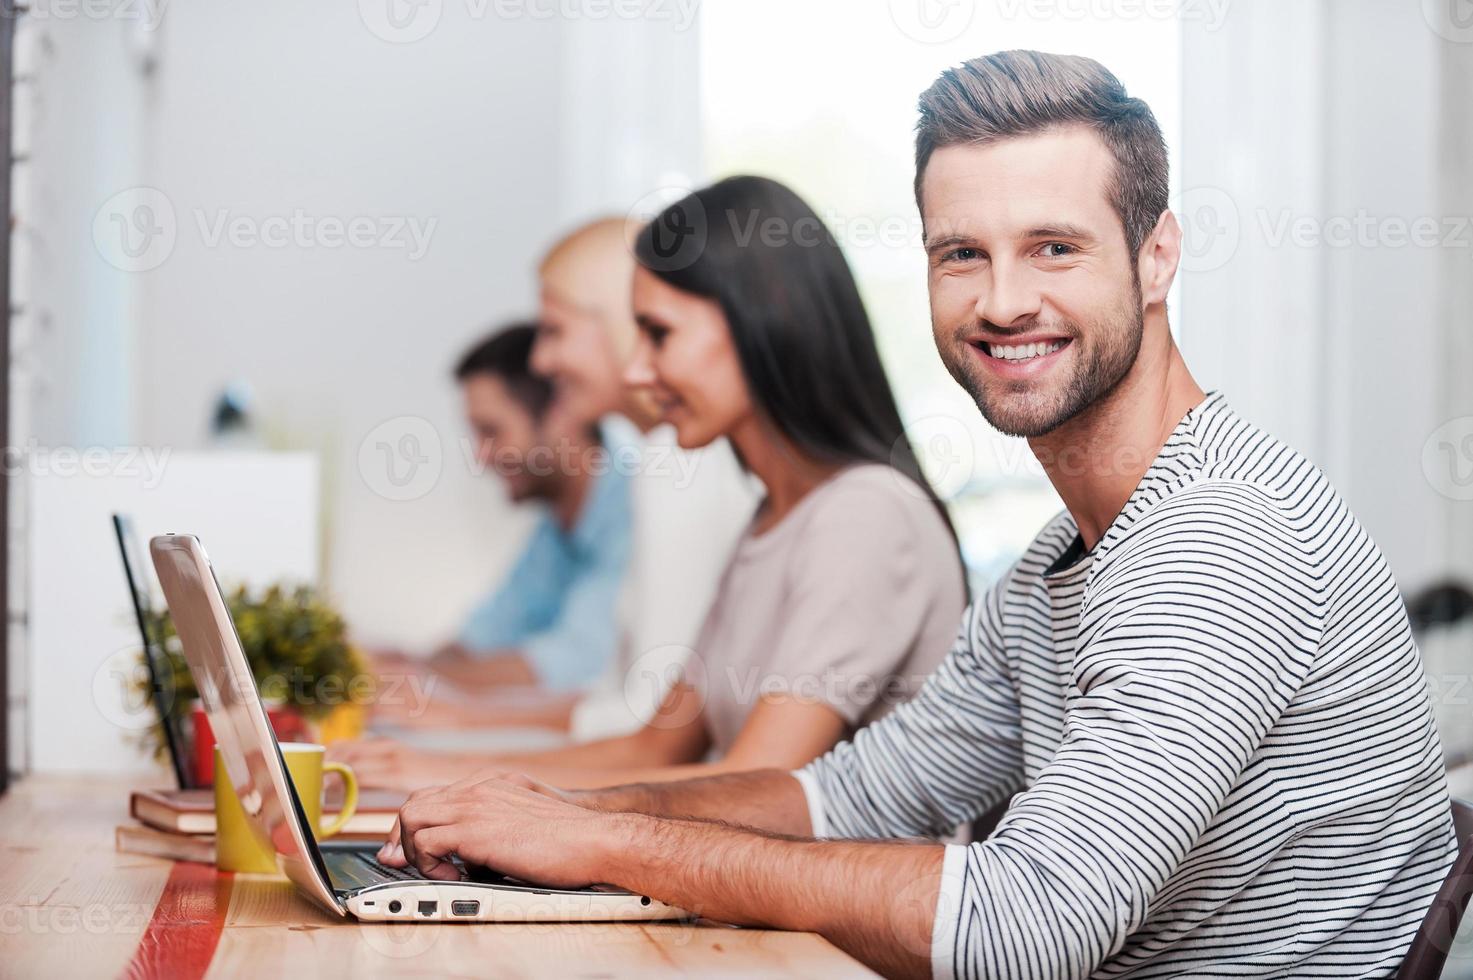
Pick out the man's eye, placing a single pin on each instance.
(1056, 250)
(657, 335)
(963, 255)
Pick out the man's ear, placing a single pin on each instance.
(1160, 254)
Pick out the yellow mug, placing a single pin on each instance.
(236, 846)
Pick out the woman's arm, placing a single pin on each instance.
(676, 735)
(780, 733)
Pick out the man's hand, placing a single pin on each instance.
(509, 823)
(876, 900)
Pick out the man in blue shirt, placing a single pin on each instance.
(551, 623)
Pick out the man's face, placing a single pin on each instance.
(575, 349)
(1035, 302)
(509, 441)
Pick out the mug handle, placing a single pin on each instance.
(350, 798)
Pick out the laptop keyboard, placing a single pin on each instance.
(398, 874)
(351, 869)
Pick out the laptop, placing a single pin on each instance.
(153, 656)
(343, 878)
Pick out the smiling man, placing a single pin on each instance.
(1197, 686)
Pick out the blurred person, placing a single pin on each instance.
(548, 624)
(844, 589)
(690, 505)
(1197, 690)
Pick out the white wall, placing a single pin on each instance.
(257, 516)
(478, 131)
(270, 107)
(77, 113)
(1298, 120)
(500, 131)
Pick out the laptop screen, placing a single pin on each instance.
(153, 654)
(248, 747)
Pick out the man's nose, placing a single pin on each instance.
(640, 371)
(1011, 297)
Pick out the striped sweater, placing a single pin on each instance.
(1214, 728)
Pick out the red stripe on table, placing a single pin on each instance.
(181, 937)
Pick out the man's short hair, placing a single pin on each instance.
(1020, 93)
(507, 354)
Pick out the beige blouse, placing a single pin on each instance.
(850, 601)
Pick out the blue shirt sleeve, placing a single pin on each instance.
(572, 652)
(526, 602)
(559, 605)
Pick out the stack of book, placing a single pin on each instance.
(179, 824)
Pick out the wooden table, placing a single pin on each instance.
(71, 906)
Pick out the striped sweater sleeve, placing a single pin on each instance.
(904, 775)
(1209, 626)
(1197, 635)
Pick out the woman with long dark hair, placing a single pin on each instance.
(845, 591)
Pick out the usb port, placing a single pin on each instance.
(465, 907)
(428, 908)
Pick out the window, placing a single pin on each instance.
(834, 118)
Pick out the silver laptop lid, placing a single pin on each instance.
(228, 691)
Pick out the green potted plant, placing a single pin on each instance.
(308, 674)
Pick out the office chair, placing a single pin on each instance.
(1428, 952)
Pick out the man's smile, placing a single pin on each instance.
(1020, 358)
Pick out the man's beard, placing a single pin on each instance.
(1034, 408)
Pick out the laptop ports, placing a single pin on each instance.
(465, 907)
(428, 908)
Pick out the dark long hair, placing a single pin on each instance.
(799, 327)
